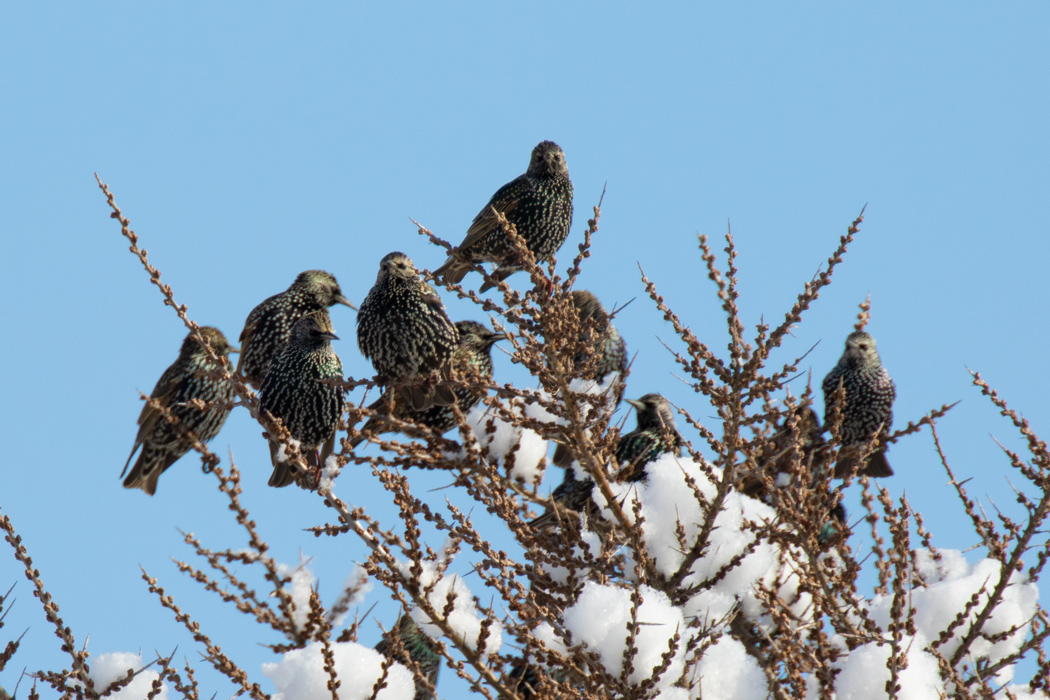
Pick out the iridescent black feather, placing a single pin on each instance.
(295, 391)
(269, 325)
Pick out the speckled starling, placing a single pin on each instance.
(525, 679)
(269, 325)
(185, 381)
(538, 203)
(403, 329)
(868, 407)
(295, 391)
(655, 435)
(473, 355)
(407, 641)
(607, 353)
(785, 447)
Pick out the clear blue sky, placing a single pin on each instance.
(248, 143)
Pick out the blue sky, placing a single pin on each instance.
(247, 143)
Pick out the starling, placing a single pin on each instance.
(786, 446)
(403, 329)
(655, 435)
(525, 678)
(538, 203)
(868, 407)
(408, 644)
(269, 325)
(295, 391)
(184, 382)
(835, 524)
(606, 353)
(473, 355)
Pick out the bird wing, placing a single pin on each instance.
(166, 388)
(501, 202)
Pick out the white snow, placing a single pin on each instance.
(329, 473)
(301, 587)
(951, 584)
(106, 668)
(864, 673)
(599, 619)
(300, 674)
(498, 438)
(728, 672)
(464, 619)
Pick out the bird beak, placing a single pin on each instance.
(496, 337)
(637, 404)
(234, 349)
(340, 299)
(328, 335)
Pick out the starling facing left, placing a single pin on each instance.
(403, 329)
(269, 325)
(185, 381)
(538, 203)
(868, 408)
(407, 642)
(295, 391)
(472, 356)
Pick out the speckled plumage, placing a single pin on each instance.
(408, 641)
(269, 325)
(608, 353)
(182, 382)
(868, 406)
(403, 329)
(538, 203)
(655, 436)
(295, 392)
(473, 355)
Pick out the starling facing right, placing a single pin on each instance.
(472, 356)
(269, 325)
(608, 353)
(294, 391)
(407, 642)
(654, 437)
(538, 203)
(403, 329)
(868, 408)
(185, 381)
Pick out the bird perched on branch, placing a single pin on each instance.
(654, 437)
(867, 410)
(473, 355)
(538, 204)
(269, 325)
(407, 643)
(295, 391)
(199, 403)
(794, 441)
(403, 329)
(605, 353)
